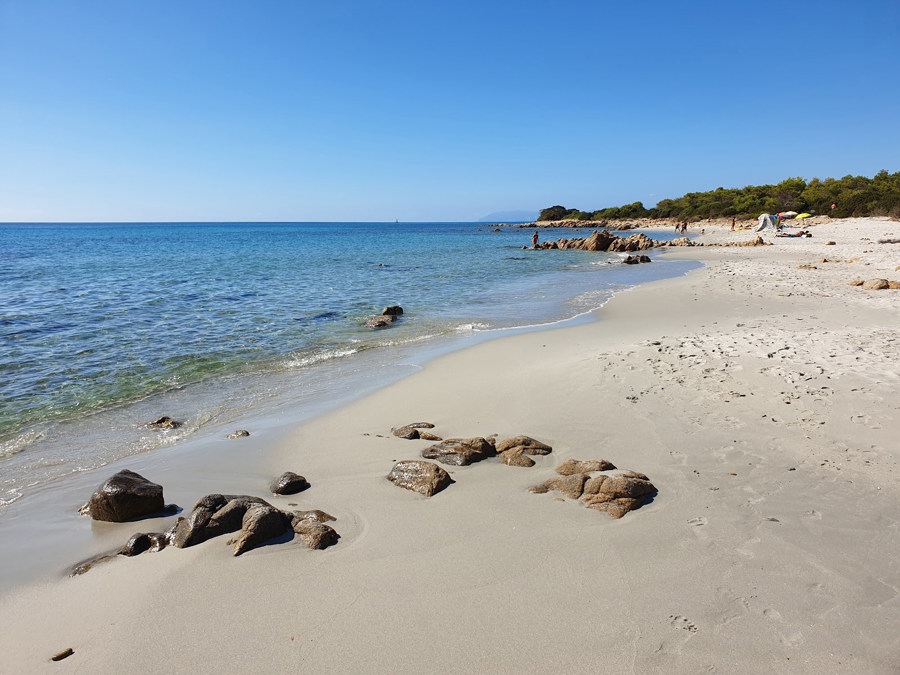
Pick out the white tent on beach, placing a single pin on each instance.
(764, 220)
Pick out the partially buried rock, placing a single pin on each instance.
(314, 534)
(212, 516)
(422, 477)
(572, 486)
(514, 451)
(240, 433)
(573, 466)
(288, 483)
(460, 451)
(615, 493)
(255, 520)
(124, 496)
(163, 422)
(261, 522)
(64, 654)
(411, 431)
(314, 516)
(619, 494)
(516, 457)
(144, 541)
(528, 445)
(876, 284)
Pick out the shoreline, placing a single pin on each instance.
(758, 396)
(51, 446)
(54, 503)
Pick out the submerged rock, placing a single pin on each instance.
(239, 433)
(425, 478)
(125, 496)
(164, 422)
(382, 321)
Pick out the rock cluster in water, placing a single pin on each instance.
(386, 318)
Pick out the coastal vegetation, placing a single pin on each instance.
(852, 196)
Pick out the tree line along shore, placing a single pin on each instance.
(850, 196)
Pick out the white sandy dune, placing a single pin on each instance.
(760, 398)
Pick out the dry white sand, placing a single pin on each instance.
(761, 400)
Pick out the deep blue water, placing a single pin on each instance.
(100, 318)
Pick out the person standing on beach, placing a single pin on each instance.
(534, 239)
(732, 224)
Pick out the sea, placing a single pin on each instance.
(107, 326)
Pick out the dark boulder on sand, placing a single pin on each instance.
(254, 519)
(144, 541)
(125, 496)
(288, 483)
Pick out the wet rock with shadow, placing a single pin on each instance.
(288, 483)
(127, 496)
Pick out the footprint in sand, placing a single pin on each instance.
(733, 606)
(791, 639)
(745, 549)
(680, 457)
(682, 622)
(698, 526)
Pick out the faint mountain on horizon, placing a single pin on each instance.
(510, 217)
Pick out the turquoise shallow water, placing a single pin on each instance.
(103, 323)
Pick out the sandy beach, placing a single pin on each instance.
(758, 394)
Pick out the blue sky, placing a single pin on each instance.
(420, 110)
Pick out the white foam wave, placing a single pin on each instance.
(15, 445)
(303, 361)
